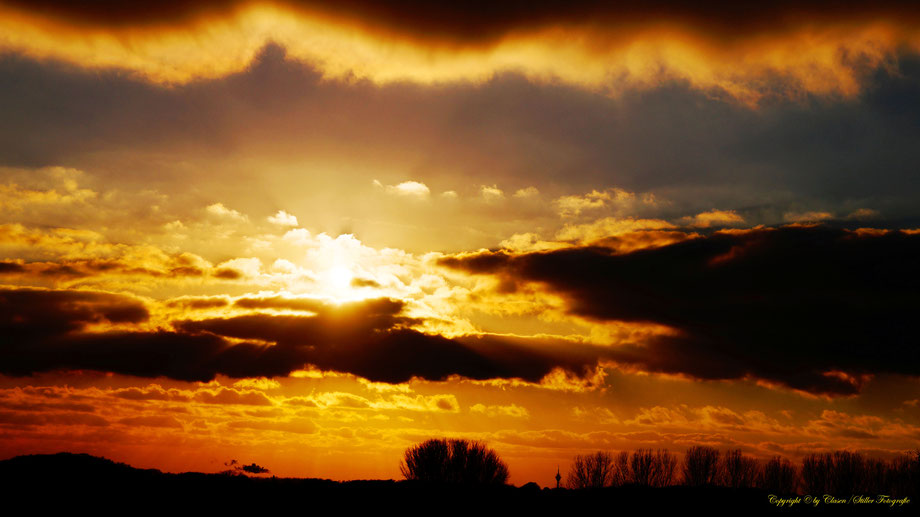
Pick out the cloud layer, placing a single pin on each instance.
(52, 330)
(479, 21)
(812, 308)
(786, 49)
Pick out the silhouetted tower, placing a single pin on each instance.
(558, 476)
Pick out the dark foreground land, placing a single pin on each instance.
(82, 481)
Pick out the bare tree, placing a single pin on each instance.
(878, 476)
(668, 465)
(701, 466)
(778, 476)
(238, 469)
(652, 468)
(837, 473)
(592, 471)
(738, 470)
(621, 474)
(849, 473)
(816, 473)
(904, 475)
(454, 461)
(642, 466)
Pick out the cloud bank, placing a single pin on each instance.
(811, 308)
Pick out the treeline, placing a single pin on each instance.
(835, 473)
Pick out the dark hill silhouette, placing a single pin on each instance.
(79, 480)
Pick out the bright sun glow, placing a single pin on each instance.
(337, 282)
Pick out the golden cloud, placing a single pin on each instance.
(825, 55)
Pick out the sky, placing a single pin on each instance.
(311, 236)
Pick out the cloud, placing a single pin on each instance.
(219, 210)
(283, 218)
(810, 308)
(528, 192)
(818, 49)
(807, 217)
(389, 400)
(615, 199)
(570, 206)
(35, 315)
(610, 226)
(511, 410)
(151, 421)
(714, 218)
(232, 396)
(407, 188)
(462, 24)
(623, 235)
(491, 194)
(863, 214)
(529, 242)
(716, 418)
(176, 267)
(13, 418)
(51, 330)
(65, 194)
(238, 267)
(718, 156)
(366, 339)
(198, 303)
(293, 425)
(280, 302)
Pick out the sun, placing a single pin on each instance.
(336, 282)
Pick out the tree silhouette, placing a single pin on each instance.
(621, 472)
(652, 468)
(778, 476)
(701, 466)
(849, 473)
(904, 474)
(816, 473)
(453, 461)
(838, 472)
(238, 469)
(738, 470)
(592, 471)
(644, 467)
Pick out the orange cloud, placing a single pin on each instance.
(511, 410)
(728, 53)
(714, 218)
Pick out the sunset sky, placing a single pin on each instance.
(310, 236)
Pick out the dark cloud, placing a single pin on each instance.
(151, 421)
(142, 354)
(28, 315)
(278, 302)
(365, 282)
(813, 308)
(8, 267)
(44, 331)
(58, 406)
(83, 268)
(228, 274)
(371, 340)
(198, 302)
(480, 21)
(12, 418)
(149, 394)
